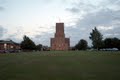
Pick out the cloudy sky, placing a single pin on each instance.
(37, 18)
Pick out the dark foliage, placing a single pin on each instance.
(27, 44)
(112, 43)
(96, 38)
(82, 45)
(39, 47)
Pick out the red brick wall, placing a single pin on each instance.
(60, 42)
(1, 46)
(8, 47)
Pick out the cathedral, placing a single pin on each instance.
(59, 42)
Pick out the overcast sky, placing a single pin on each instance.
(37, 18)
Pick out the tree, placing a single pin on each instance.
(116, 43)
(112, 43)
(39, 47)
(27, 44)
(82, 45)
(108, 43)
(119, 45)
(96, 38)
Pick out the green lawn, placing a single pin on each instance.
(59, 65)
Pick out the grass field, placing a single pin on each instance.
(59, 65)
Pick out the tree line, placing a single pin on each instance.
(96, 37)
(98, 42)
(28, 45)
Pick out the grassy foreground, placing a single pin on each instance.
(60, 65)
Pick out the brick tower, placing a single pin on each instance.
(60, 42)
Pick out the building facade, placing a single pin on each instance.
(8, 46)
(59, 42)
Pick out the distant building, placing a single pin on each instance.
(8, 46)
(60, 42)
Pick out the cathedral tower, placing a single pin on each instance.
(60, 42)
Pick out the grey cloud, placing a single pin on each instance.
(73, 9)
(38, 36)
(47, 1)
(103, 17)
(96, 15)
(19, 32)
(43, 38)
(43, 35)
(115, 32)
(114, 2)
(89, 6)
(2, 3)
(75, 34)
(81, 6)
(1, 8)
(2, 31)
